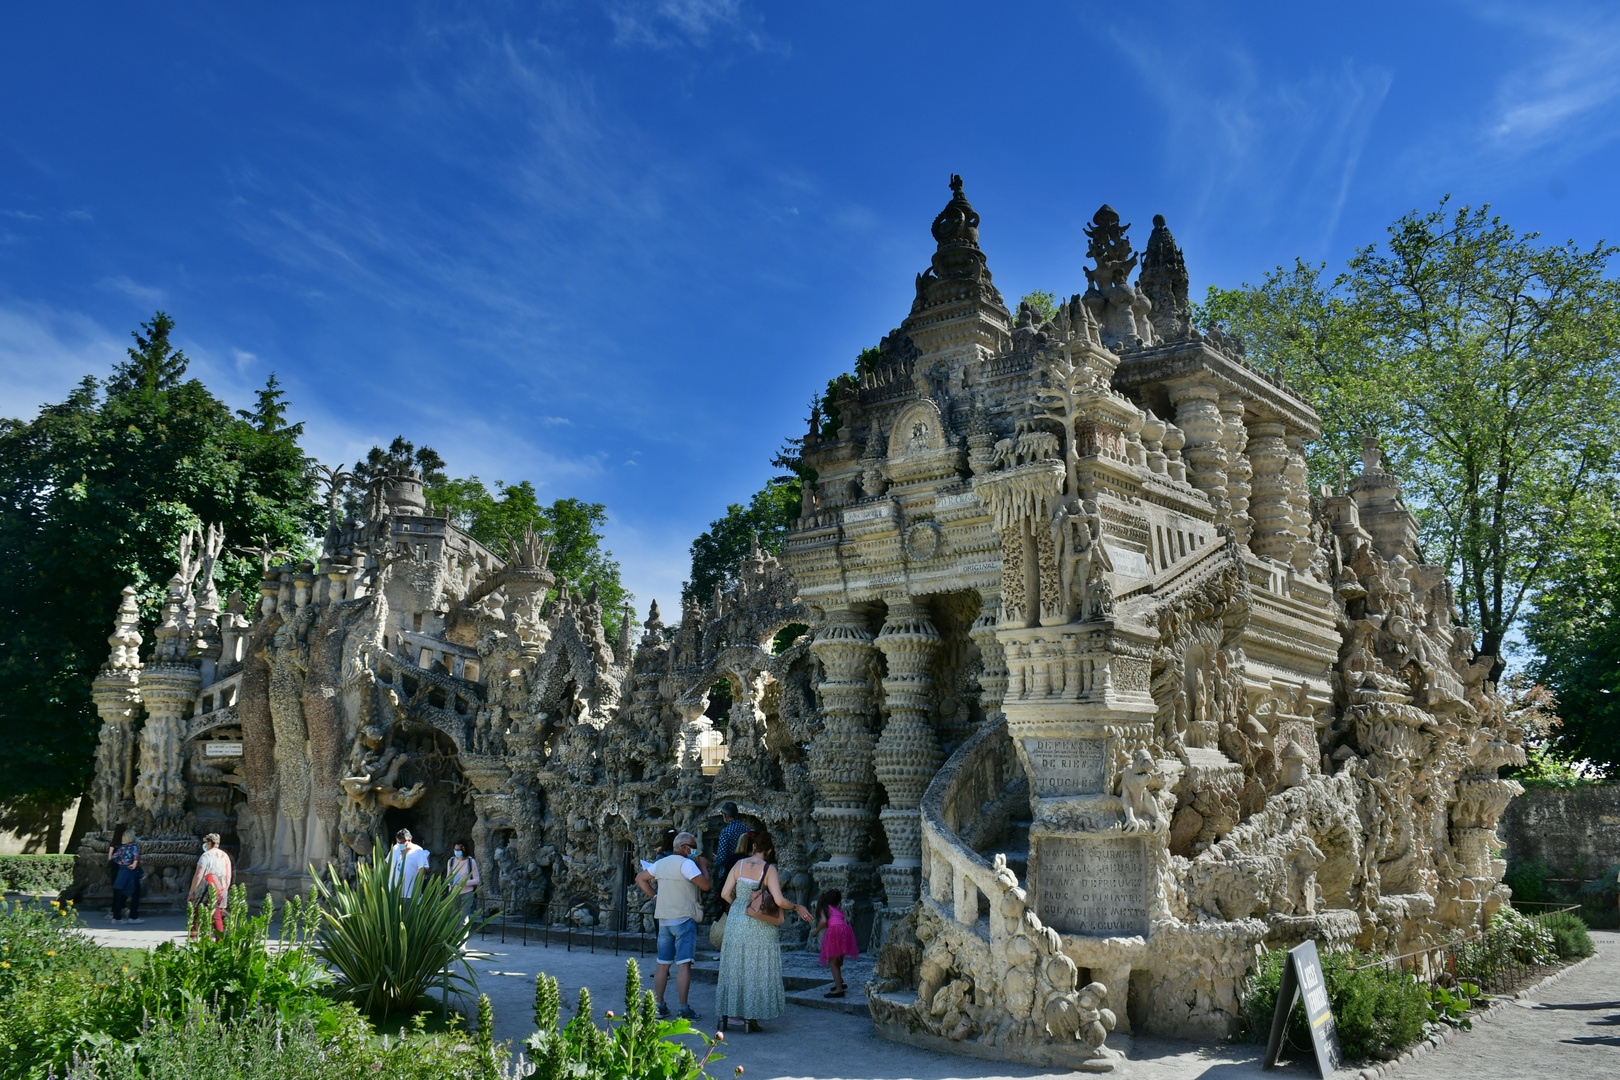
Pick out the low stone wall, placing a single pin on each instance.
(1565, 828)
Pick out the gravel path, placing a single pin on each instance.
(1569, 1030)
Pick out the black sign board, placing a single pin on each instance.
(1302, 975)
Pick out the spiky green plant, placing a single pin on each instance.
(388, 954)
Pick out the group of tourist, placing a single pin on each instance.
(211, 881)
(750, 987)
(408, 861)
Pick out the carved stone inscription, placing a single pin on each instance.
(1066, 766)
(1097, 887)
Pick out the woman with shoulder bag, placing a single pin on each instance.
(463, 873)
(750, 986)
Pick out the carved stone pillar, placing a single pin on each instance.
(693, 725)
(841, 755)
(1198, 415)
(1234, 439)
(992, 659)
(908, 754)
(160, 792)
(1273, 527)
(116, 692)
(169, 686)
(1296, 473)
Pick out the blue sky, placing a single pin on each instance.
(614, 247)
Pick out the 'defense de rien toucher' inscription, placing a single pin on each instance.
(1093, 886)
(1065, 766)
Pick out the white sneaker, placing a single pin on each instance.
(134, 920)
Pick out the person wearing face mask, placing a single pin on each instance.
(463, 872)
(407, 862)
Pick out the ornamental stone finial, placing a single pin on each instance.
(126, 636)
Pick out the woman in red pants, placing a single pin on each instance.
(213, 872)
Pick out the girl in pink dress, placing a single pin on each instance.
(837, 939)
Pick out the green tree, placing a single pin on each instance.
(715, 553)
(1574, 630)
(1486, 362)
(1045, 303)
(572, 527)
(94, 494)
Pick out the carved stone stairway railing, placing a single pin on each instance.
(991, 980)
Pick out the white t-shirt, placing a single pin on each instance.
(415, 860)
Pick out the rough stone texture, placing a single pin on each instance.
(1093, 705)
(1565, 828)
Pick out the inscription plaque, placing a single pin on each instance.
(1066, 766)
(1097, 887)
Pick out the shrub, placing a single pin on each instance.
(1528, 880)
(1570, 937)
(388, 954)
(56, 988)
(1378, 1010)
(238, 973)
(640, 1046)
(1600, 904)
(262, 1046)
(35, 873)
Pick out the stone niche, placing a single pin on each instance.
(1099, 886)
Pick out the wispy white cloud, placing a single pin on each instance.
(144, 293)
(21, 215)
(1280, 151)
(663, 24)
(244, 360)
(44, 353)
(1567, 75)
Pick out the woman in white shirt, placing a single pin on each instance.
(463, 871)
(213, 875)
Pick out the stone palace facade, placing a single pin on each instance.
(1094, 699)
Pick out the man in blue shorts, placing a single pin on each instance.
(678, 908)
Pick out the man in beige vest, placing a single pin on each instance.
(678, 909)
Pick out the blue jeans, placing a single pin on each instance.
(677, 941)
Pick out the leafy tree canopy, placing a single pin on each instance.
(1574, 630)
(572, 527)
(94, 495)
(715, 553)
(1487, 363)
(1046, 303)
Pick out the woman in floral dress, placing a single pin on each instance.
(750, 986)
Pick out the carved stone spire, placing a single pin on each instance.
(1120, 309)
(958, 309)
(1164, 283)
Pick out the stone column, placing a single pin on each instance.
(1297, 474)
(160, 793)
(169, 685)
(992, 658)
(841, 755)
(1273, 526)
(908, 754)
(1198, 415)
(116, 692)
(1234, 440)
